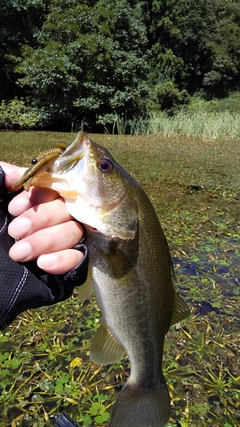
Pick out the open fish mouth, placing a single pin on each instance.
(53, 161)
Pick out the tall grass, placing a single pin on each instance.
(198, 124)
(209, 125)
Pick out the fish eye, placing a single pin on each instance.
(34, 161)
(105, 166)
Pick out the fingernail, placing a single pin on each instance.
(19, 227)
(46, 261)
(18, 206)
(21, 251)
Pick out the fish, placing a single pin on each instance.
(130, 269)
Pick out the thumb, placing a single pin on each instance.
(13, 173)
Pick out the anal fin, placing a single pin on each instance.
(104, 347)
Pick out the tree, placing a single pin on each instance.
(179, 45)
(95, 61)
(196, 45)
(225, 47)
(90, 64)
(18, 22)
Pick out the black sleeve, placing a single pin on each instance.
(24, 285)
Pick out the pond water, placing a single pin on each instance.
(209, 270)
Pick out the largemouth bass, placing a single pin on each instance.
(130, 269)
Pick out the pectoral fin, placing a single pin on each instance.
(123, 220)
(180, 309)
(122, 268)
(104, 347)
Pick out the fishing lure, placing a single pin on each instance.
(37, 162)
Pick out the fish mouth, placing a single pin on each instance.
(51, 174)
(72, 155)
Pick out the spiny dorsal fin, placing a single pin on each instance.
(104, 347)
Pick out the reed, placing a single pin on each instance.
(207, 125)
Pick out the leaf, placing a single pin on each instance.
(77, 361)
(102, 418)
(94, 408)
(87, 420)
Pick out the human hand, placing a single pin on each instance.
(49, 231)
(45, 230)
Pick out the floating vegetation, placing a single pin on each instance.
(44, 355)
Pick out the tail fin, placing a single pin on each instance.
(141, 407)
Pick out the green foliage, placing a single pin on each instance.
(198, 124)
(19, 21)
(15, 114)
(230, 104)
(90, 61)
(196, 44)
(208, 120)
(180, 50)
(97, 61)
(224, 45)
(170, 97)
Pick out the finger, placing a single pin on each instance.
(46, 241)
(26, 200)
(13, 173)
(60, 262)
(39, 217)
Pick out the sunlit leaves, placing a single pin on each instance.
(89, 61)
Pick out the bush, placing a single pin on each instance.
(230, 104)
(15, 114)
(170, 97)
